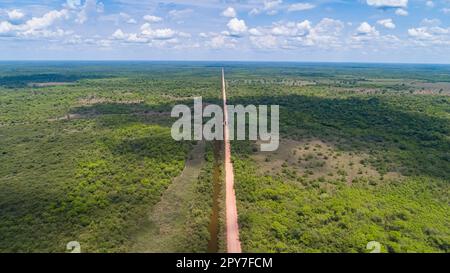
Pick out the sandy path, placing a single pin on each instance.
(232, 227)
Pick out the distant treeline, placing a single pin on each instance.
(25, 80)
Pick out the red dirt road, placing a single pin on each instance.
(233, 243)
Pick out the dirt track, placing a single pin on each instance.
(232, 227)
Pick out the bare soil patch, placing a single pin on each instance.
(317, 160)
(48, 84)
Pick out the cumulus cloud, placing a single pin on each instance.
(388, 3)
(292, 29)
(46, 20)
(119, 34)
(301, 7)
(265, 42)
(430, 35)
(215, 40)
(73, 4)
(158, 34)
(366, 29)
(37, 23)
(229, 12)
(152, 18)
(368, 37)
(291, 35)
(387, 23)
(37, 27)
(15, 14)
(236, 26)
(151, 36)
(221, 41)
(430, 4)
(255, 32)
(326, 33)
(421, 33)
(6, 27)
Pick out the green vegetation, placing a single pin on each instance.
(87, 161)
(312, 204)
(277, 215)
(86, 155)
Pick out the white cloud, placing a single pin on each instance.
(118, 34)
(236, 26)
(292, 29)
(387, 23)
(73, 4)
(446, 10)
(401, 12)
(6, 27)
(365, 29)
(270, 7)
(264, 42)
(327, 33)
(367, 37)
(45, 33)
(152, 18)
(37, 27)
(154, 37)
(163, 34)
(220, 41)
(430, 35)
(158, 34)
(430, 4)
(15, 14)
(290, 35)
(46, 20)
(229, 12)
(255, 32)
(420, 33)
(272, 4)
(388, 3)
(301, 7)
(217, 42)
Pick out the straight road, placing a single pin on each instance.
(232, 227)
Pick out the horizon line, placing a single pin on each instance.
(222, 61)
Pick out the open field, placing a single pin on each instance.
(365, 155)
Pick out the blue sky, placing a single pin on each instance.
(414, 31)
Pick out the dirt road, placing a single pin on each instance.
(232, 227)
